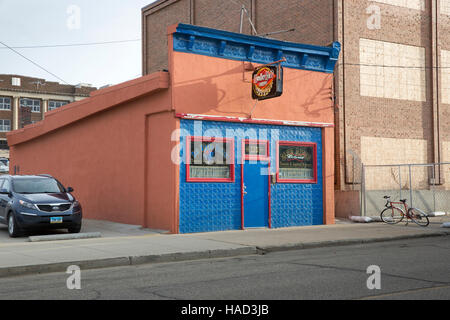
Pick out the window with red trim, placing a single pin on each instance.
(255, 149)
(296, 162)
(209, 159)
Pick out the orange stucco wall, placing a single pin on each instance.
(161, 173)
(214, 86)
(104, 157)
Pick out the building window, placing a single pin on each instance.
(4, 145)
(53, 104)
(209, 159)
(5, 125)
(5, 103)
(410, 4)
(445, 73)
(391, 70)
(445, 7)
(296, 162)
(255, 149)
(33, 104)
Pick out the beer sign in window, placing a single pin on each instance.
(297, 162)
(209, 159)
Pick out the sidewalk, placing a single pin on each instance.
(18, 258)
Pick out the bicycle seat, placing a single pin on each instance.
(387, 197)
(404, 200)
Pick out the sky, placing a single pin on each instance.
(60, 22)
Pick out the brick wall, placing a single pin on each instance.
(312, 20)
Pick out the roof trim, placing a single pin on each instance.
(99, 101)
(236, 46)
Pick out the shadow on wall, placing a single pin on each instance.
(210, 98)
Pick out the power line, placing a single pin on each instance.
(37, 65)
(74, 44)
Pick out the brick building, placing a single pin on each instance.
(25, 100)
(392, 84)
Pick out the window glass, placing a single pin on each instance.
(210, 159)
(5, 103)
(37, 185)
(53, 104)
(34, 104)
(297, 162)
(5, 125)
(256, 149)
(6, 186)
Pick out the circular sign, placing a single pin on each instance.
(263, 81)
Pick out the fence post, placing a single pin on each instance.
(410, 186)
(434, 188)
(363, 190)
(400, 179)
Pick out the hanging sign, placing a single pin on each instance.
(267, 82)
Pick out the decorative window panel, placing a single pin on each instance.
(445, 75)
(391, 70)
(410, 4)
(445, 7)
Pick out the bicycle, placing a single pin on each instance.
(394, 214)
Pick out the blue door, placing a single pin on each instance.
(256, 194)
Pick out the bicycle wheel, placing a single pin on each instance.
(392, 215)
(419, 217)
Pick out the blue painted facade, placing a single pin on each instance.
(234, 46)
(217, 206)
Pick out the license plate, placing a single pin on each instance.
(56, 220)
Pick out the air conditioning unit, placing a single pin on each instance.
(15, 82)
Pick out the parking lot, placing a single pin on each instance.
(106, 228)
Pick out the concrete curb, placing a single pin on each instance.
(346, 242)
(125, 261)
(70, 236)
(197, 255)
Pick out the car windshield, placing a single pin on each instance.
(37, 185)
(3, 162)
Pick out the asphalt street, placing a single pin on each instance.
(410, 269)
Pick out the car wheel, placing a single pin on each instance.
(13, 228)
(75, 229)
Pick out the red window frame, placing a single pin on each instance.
(250, 157)
(300, 144)
(189, 139)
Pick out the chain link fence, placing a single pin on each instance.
(424, 186)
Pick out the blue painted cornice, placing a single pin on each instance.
(236, 46)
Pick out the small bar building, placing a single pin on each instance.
(191, 149)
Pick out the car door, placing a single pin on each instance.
(2, 202)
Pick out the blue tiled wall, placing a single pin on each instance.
(217, 206)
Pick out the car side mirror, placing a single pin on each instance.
(69, 189)
(4, 191)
